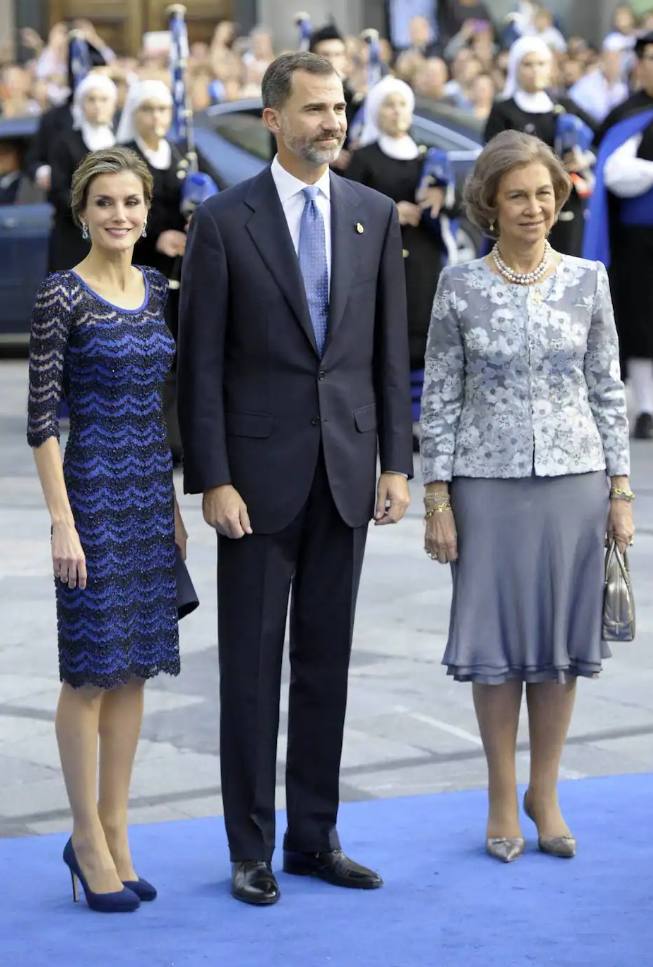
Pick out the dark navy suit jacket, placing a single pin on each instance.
(255, 398)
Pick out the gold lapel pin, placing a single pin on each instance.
(359, 228)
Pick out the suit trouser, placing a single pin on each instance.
(320, 558)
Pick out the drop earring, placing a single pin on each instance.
(492, 227)
(85, 231)
(144, 232)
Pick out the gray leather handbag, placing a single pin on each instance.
(618, 600)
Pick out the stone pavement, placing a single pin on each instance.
(410, 729)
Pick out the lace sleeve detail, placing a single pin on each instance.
(158, 285)
(606, 393)
(47, 350)
(444, 381)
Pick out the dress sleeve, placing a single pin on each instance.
(444, 384)
(157, 284)
(47, 350)
(606, 393)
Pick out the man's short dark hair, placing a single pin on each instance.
(322, 34)
(277, 80)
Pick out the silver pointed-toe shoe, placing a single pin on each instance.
(505, 848)
(562, 846)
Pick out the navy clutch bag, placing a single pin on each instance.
(187, 599)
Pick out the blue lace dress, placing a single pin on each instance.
(109, 363)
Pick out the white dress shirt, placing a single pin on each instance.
(292, 201)
(626, 175)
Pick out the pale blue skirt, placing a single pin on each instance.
(528, 583)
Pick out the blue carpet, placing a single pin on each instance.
(445, 904)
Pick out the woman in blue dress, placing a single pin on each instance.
(99, 338)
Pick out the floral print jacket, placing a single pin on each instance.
(523, 379)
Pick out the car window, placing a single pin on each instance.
(244, 130)
(451, 117)
(434, 137)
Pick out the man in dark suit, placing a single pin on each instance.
(293, 364)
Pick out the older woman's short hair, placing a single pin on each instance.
(506, 151)
(107, 161)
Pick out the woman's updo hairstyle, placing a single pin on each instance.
(107, 161)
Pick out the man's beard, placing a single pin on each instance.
(311, 150)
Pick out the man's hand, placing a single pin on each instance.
(392, 498)
(225, 509)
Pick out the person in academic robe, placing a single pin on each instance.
(59, 118)
(143, 127)
(620, 231)
(93, 109)
(144, 123)
(528, 106)
(391, 162)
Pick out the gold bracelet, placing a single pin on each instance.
(436, 498)
(618, 493)
(440, 509)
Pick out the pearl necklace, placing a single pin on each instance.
(521, 278)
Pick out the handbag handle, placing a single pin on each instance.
(621, 558)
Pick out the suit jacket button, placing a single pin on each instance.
(321, 374)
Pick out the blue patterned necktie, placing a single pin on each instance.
(313, 263)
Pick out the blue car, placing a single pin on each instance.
(24, 232)
(234, 145)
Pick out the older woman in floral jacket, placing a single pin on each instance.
(525, 461)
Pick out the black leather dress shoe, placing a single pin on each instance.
(643, 427)
(253, 881)
(332, 866)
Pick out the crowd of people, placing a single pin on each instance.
(462, 60)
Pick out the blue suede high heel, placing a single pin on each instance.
(143, 890)
(122, 901)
